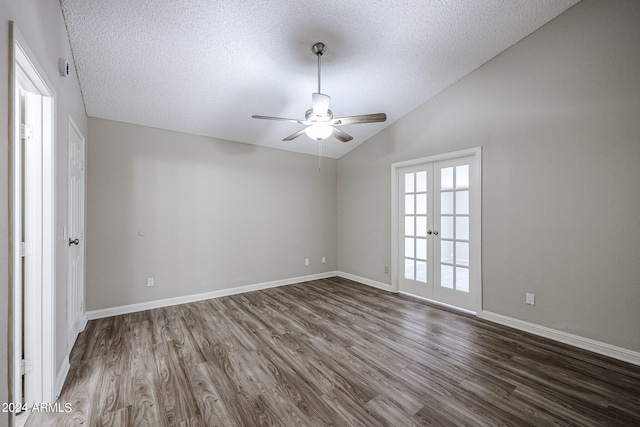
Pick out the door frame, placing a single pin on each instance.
(475, 204)
(44, 326)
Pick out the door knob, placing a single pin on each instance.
(429, 232)
(436, 232)
(74, 242)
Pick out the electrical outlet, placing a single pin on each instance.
(306, 261)
(530, 299)
(324, 260)
(150, 282)
(386, 270)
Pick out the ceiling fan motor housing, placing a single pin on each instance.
(317, 118)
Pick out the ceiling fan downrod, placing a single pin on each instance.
(318, 50)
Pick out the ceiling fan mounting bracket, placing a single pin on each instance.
(318, 48)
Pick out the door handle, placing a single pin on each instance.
(429, 232)
(74, 242)
(436, 232)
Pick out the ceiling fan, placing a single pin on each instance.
(319, 120)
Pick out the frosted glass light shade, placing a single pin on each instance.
(319, 131)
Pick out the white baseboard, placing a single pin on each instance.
(132, 308)
(563, 337)
(566, 338)
(365, 281)
(76, 327)
(84, 321)
(61, 376)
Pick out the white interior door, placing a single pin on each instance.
(75, 230)
(438, 233)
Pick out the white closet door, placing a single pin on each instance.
(75, 229)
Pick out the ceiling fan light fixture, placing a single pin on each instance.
(319, 131)
(319, 120)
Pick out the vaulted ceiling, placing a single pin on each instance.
(204, 67)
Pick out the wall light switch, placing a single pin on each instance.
(150, 282)
(306, 261)
(324, 260)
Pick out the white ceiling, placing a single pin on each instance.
(204, 67)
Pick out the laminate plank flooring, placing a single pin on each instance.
(333, 352)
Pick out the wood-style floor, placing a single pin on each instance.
(333, 352)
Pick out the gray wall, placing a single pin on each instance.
(558, 117)
(216, 214)
(42, 25)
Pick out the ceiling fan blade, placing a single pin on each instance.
(294, 135)
(282, 119)
(341, 135)
(320, 104)
(365, 118)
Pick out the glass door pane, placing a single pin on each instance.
(415, 220)
(416, 230)
(454, 223)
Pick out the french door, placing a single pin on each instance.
(438, 231)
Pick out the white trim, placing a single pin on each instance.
(75, 328)
(49, 254)
(598, 347)
(475, 204)
(594, 346)
(565, 338)
(476, 151)
(395, 176)
(26, 60)
(15, 230)
(61, 376)
(80, 324)
(149, 305)
(365, 281)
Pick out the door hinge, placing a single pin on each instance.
(26, 366)
(26, 131)
(26, 249)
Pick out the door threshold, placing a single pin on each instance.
(438, 303)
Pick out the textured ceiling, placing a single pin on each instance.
(204, 67)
